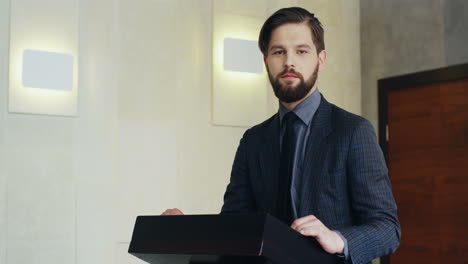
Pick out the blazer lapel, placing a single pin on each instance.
(269, 162)
(315, 152)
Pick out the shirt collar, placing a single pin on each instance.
(305, 110)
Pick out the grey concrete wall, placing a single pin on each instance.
(456, 31)
(398, 37)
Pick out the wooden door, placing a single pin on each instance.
(427, 154)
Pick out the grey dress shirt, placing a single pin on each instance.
(305, 111)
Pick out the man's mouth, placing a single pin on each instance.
(289, 76)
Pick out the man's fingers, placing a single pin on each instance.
(177, 211)
(311, 224)
(173, 211)
(306, 221)
(312, 231)
(302, 220)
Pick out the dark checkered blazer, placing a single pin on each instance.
(345, 180)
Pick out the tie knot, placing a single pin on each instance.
(290, 118)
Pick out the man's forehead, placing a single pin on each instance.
(292, 35)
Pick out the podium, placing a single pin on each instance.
(223, 239)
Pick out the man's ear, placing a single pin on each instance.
(322, 57)
(264, 59)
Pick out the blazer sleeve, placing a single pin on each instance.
(375, 231)
(238, 197)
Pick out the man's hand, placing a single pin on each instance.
(330, 241)
(173, 211)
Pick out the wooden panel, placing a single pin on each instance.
(428, 168)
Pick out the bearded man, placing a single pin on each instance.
(315, 166)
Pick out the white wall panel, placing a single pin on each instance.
(4, 32)
(147, 103)
(49, 25)
(96, 222)
(96, 134)
(147, 170)
(145, 139)
(205, 152)
(40, 190)
(239, 98)
(146, 58)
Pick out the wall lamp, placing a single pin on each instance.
(47, 70)
(242, 56)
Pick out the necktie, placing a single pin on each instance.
(288, 148)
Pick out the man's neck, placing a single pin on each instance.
(292, 105)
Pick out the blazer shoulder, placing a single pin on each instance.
(342, 119)
(262, 128)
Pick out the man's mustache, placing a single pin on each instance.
(290, 71)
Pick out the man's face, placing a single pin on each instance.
(292, 62)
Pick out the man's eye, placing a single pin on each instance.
(302, 52)
(278, 52)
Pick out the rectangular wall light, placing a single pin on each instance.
(47, 70)
(240, 84)
(44, 57)
(242, 56)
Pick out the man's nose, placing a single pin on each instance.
(290, 60)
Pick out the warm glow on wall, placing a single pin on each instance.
(239, 90)
(47, 39)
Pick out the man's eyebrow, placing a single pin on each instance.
(276, 47)
(303, 46)
(297, 46)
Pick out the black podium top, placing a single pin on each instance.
(194, 238)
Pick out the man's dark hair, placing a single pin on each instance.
(291, 15)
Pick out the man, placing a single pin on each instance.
(313, 165)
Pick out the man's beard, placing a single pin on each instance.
(287, 93)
